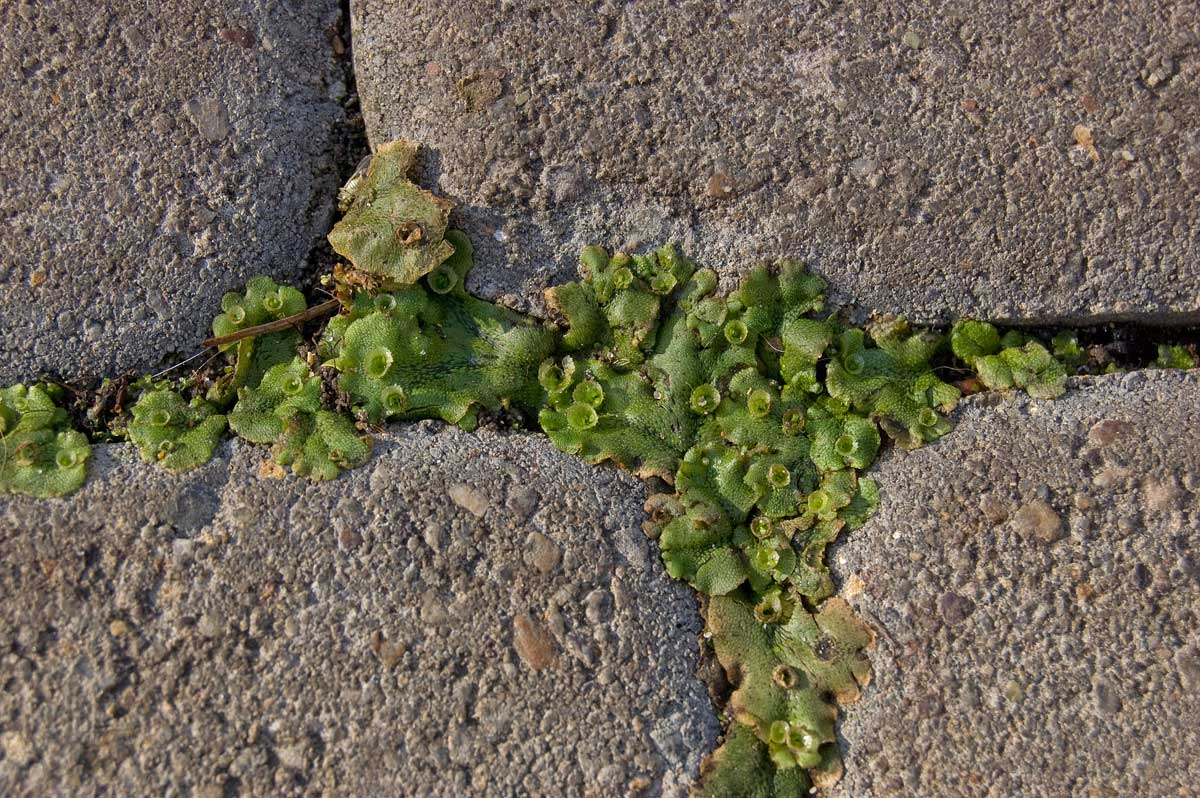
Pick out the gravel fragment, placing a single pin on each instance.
(542, 553)
(17, 749)
(532, 642)
(210, 116)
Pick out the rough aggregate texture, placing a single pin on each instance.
(465, 615)
(1038, 162)
(155, 156)
(1033, 577)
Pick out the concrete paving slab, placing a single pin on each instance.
(1034, 580)
(1033, 162)
(155, 156)
(464, 615)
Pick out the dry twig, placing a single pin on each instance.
(295, 320)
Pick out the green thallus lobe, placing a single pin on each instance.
(758, 409)
(40, 455)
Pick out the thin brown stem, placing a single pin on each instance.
(295, 320)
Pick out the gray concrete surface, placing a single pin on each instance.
(1035, 584)
(155, 155)
(464, 615)
(1036, 161)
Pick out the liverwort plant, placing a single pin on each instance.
(1013, 363)
(431, 350)
(1173, 357)
(262, 302)
(392, 229)
(755, 415)
(175, 433)
(40, 455)
(721, 398)
(285, 411)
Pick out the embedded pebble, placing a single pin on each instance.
(955, 608)
(349, 538)
(210, 116)
(533, 644)
(183, 549)
(598, 605)
(1038, 520)
(1162, 493)
(469, 498)
(911, 39)
(1106, 698)
(389, 652)
(16, 748)
(993, 508)
(434, 536)
(1103, 433)
(522, 501)
(433, 610)
(293, 757)
(542, 553)
(1111, 478)
(1187, 663)
(211, 624)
